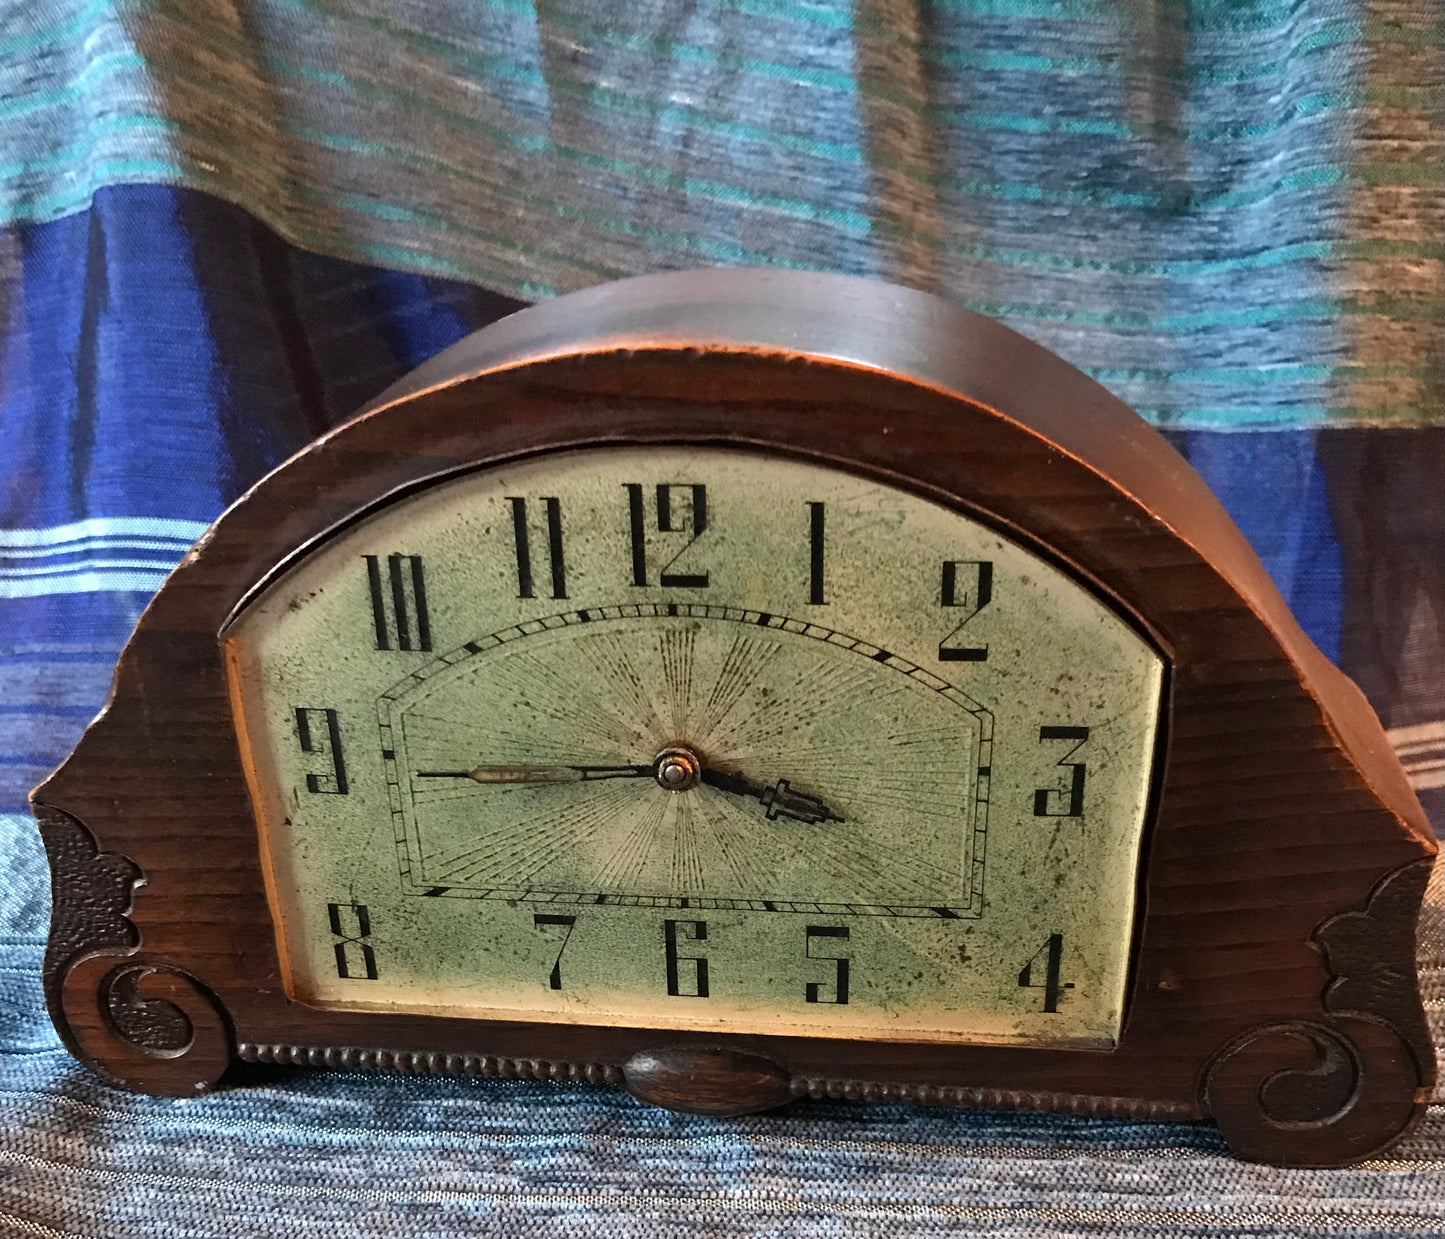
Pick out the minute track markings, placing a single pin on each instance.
(970, 874)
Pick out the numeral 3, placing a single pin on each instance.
(1067, 801)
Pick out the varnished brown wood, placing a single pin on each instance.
(1273, 962)
(706, 1079)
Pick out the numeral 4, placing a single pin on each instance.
(1046, 960)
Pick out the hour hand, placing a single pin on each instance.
(540, 774)
(779, 799)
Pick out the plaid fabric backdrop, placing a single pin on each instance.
(224, 227)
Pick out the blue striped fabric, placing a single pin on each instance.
(163, 351)
(1229, 213)
(115, 554)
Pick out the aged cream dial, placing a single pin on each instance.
(700, 739)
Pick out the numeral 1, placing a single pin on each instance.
(670, 519)
(688, 931)
(352, 931)
(1052, 955)
(541, 920)
(524, 548)
(1073, 795)
(319, 731)
(815, 989)
(816, 518)
(967, 585)
(398, 603)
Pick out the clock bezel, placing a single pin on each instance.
(920, 1039)
(1239, 979)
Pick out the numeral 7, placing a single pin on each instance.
(542, 920)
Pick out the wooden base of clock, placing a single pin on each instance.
(1272, 979)
(1322, 1091)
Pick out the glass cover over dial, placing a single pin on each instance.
(698, 739)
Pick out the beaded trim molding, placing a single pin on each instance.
(426, 1062)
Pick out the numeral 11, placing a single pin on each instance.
(522, 536)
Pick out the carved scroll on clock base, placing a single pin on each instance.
(1331, 1091)
(139, 1022)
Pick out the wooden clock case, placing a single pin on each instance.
(1285, 857)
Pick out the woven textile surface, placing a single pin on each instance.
(1227, 212)
(225, 227)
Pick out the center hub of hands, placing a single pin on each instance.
(677, 769)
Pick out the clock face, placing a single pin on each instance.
(698, 739)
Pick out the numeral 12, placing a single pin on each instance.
(669, 520)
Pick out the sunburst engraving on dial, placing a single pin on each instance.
(548, 763)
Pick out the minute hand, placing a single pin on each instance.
(778, 799)
(540, 774)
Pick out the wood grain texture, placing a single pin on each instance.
(1279, 809)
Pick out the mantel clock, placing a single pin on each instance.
(739, 686)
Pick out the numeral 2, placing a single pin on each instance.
(352, 936)
(967, 585)
(1052, 955)
(816, 989)
(541, 920)
(398, 604)
(670, 519)
(1072, 796)
(693, 931)
(523, 540)
(319, 731)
